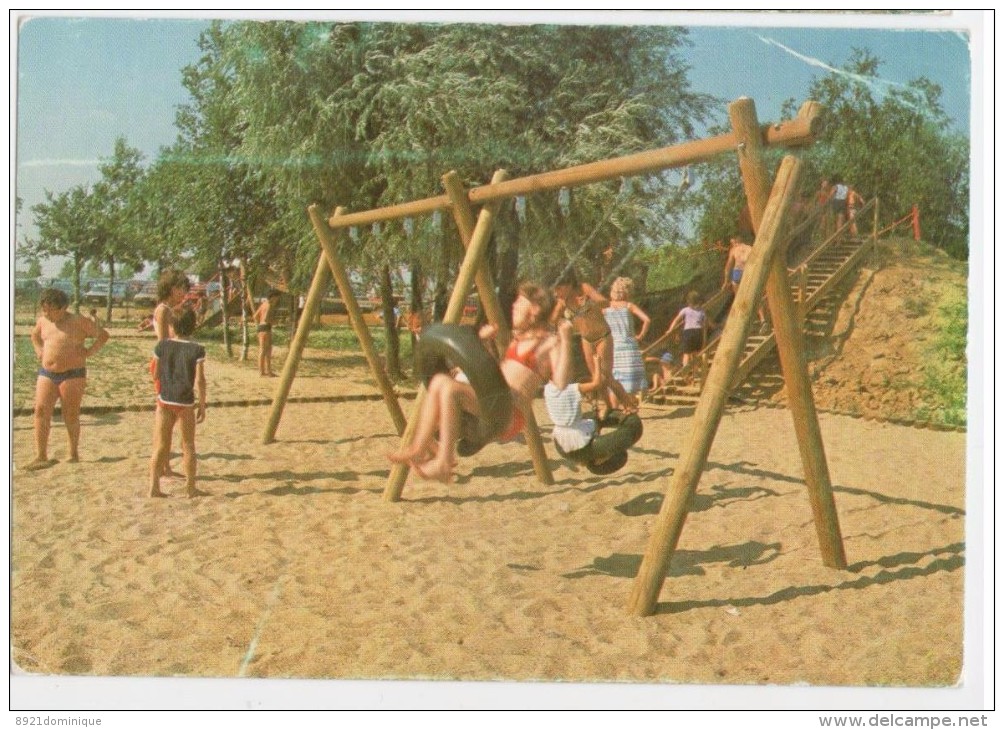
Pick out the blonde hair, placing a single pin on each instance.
(622, 288)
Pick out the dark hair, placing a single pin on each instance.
(273, 294)
(693, 298)
(168, 280)
(184, 323)
(54, 298)
(539, 296)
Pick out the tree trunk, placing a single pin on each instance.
(507, 278)
(111, 287)
(392, 349)
(78, 265)
(416, 308)
(225, 280)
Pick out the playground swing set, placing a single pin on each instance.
(769, 204)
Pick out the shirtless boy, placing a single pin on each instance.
(60, 342)
(264, 318)
(739, 253)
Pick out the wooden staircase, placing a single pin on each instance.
(812, 280)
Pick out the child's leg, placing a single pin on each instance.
(454, 397)
(261, 353)
(428, 422)
(46, 395)
(187, 419)
(604, 349)
(268, 353)
(71, 393)
(163, 425)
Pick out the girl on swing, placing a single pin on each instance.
(528, 362)
(580, 304)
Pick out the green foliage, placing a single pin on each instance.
(945, 373)
(900, 148)
(365, 115)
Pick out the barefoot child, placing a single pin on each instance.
(179, 369)
(583, 306)
(172, 287)
(579, 439)
(526, 365)
(264, 317)
(695, 328)
(59, 339)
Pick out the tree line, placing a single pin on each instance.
(286, 114)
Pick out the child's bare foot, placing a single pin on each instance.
(157, 493)
(39, 462)
(170, 473)
(74, 459)
(435, 470)
(194, 492)
(402, 457)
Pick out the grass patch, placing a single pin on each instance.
(945, 371)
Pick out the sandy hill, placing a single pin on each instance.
(873, 347)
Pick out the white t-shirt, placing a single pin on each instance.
(571, 431)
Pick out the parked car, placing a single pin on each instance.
(147, 295)
(98, 294)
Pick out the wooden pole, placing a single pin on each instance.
(463, 214)
(790, 344)
(327, 241)
(711, 405)
(318, 285)
(792, 133)
(480, 237)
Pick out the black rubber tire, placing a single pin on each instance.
(443, 346)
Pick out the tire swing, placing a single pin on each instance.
(442, 347)
(608, 452)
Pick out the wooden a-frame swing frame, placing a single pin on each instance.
(764, 272)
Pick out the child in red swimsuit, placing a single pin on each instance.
(526, 365)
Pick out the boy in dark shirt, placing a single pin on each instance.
(179, 369)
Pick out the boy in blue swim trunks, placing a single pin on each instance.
(60, 341)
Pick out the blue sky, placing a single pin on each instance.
(81, 82)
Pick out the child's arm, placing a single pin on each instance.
(200, 389)
(561, 356)
(597, 378)
(645, 320)
(36, 339)
(590, 292)
(559, 309)
(676, 321)
(162, 322)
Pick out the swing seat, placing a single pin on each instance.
(443, 347)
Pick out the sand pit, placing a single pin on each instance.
(296, 567)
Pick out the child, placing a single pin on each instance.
(265, 317)
(582, 305)
(59, 340)
(695, 327)
(664, 369)
(179, 369)
(578, 438)
(526, 365)
(739, 253)
(172, 288)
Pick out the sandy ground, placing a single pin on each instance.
(295, 566)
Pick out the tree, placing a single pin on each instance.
(900, 148)
(120, 176)
(364, 115)
(67, 225)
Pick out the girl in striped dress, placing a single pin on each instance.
(629, 367)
